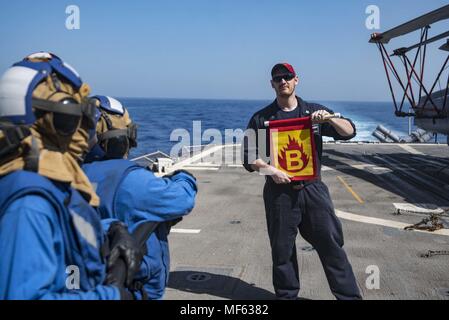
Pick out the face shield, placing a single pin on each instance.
(116, 143)
(117, 147)
(67, 114)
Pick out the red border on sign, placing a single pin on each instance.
(295, 124)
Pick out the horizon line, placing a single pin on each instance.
(245, 99)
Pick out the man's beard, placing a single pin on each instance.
(284, 94)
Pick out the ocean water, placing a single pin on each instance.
(157, 118)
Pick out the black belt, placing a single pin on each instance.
(295, 185)
(299, 185)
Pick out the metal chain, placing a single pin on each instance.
(431, 253)
(431, 223)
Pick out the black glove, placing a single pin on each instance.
(122, 246)
(126, 295)
(173, 222)
(170, 175)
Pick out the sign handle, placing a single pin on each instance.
(335, 115)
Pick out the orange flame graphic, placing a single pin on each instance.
(293, 145)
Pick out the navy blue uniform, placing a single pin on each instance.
(303, 206)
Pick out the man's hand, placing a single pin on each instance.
(320, 116)
(341, 125)
(279, 177)
(264, 168)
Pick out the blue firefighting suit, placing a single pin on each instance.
(133, 195)
(50, 241)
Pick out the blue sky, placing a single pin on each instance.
(212, 49)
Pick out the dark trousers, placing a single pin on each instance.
(309, 210)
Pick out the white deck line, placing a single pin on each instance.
(410, 149)
(190, 231)
(385, 223)
(201, 168)
(205, 164)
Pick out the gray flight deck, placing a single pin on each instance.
(221, 250)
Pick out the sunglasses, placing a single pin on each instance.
(286, 77)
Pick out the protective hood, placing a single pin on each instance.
(116, 133)
(47, 150)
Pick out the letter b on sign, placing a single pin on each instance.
(73, 20)
(293, 160)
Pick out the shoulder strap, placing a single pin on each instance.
(12, 137)
(32, 157)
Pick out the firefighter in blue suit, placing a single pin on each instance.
(51, 239)
(133, 194)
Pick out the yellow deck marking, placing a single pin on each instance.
(355, 195)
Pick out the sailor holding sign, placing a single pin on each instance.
(294, 195)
